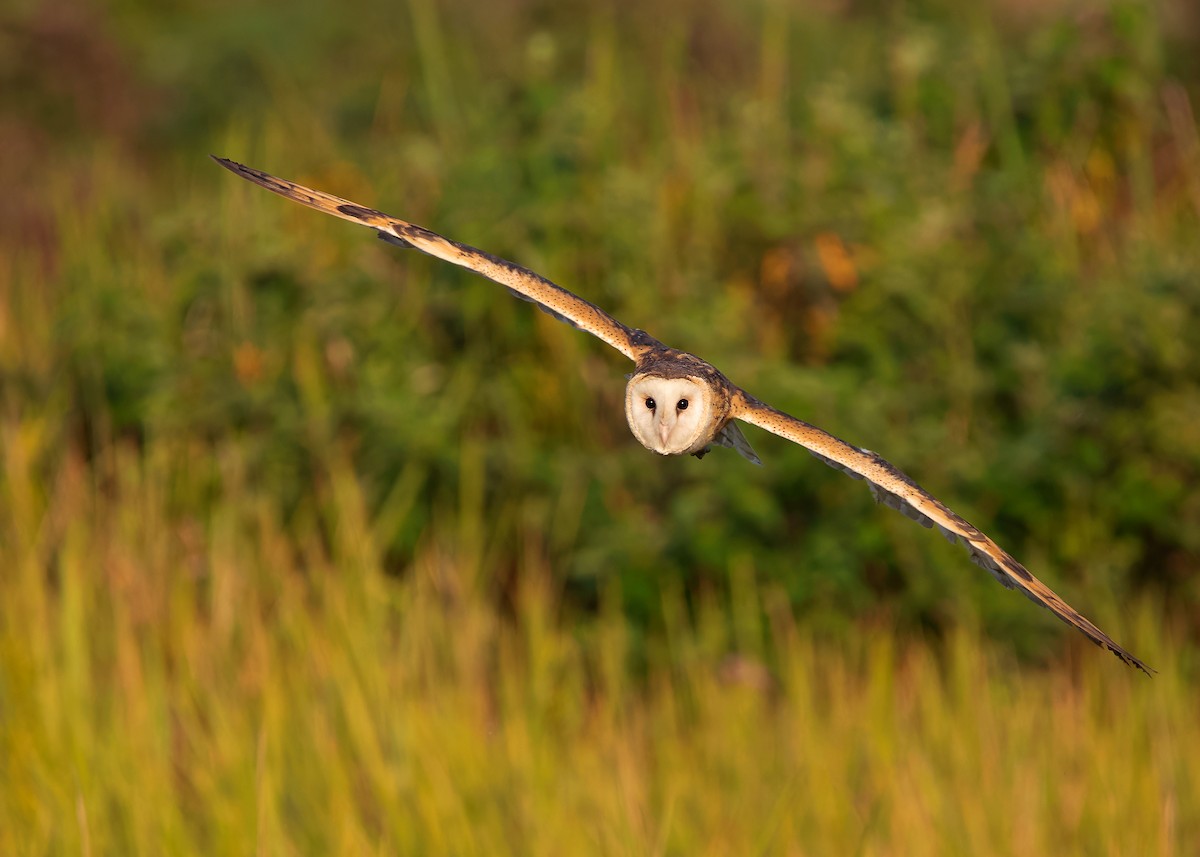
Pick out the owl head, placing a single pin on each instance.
(671, 416)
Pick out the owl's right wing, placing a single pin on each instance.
(521, 282)
(893, 488)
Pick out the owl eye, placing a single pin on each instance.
(682, 405)
(650, 403)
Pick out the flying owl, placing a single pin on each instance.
(678, 404)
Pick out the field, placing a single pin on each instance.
(312, 545)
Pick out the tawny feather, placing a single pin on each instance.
(895, 489)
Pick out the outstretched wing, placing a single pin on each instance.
(892, 488)
(521, 282)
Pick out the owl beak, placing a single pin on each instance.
(664, 429)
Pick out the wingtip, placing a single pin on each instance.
(232, 166)
(1125, 656)
(1137, 663)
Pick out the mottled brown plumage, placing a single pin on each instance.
(677, 404)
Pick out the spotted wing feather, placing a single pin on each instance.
(521, 282)
(894, 489)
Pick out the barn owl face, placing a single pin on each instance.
(670, 416)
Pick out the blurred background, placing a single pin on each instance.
(311, 544)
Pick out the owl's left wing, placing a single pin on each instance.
(893, 488)
(521, 282)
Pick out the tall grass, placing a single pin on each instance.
(177, 686)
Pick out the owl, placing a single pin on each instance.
(678, 404)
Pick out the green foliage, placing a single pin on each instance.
(962, 239)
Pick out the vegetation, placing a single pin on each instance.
(312, 545)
